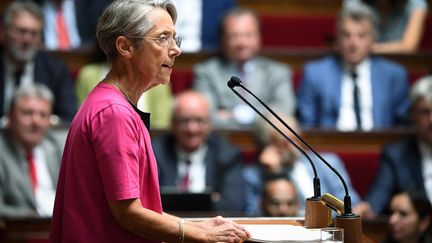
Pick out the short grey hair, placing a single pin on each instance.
(128, 18)
(358, 11)
(237, 11)
(22, 6)
(36, 90)
(422, 88)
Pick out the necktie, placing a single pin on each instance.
(17, 77)
(62, 31)
(32, 170)
(186, 179)
(356, 96)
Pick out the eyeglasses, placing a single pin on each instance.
(24, 31)
(165, 40)
(186, 120)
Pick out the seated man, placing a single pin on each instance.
(353, 90)
(22, 62)
(279, 198)
(405, 164)
(193, 160)
(279, 156)
(30, 157)
(240, 46)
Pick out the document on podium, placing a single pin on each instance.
(281, 233)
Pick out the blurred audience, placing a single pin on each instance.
(70, 24)
(30, 157)
(353, 90)
(22, 62)
(410, 220)
(200, 29)
(279, 198)
(400, 24)
(240, 47)
(279, 157)
(193, 160)
(157, 101)
(405, 164)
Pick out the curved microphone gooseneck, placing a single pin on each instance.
(316, 182)
(236, 82)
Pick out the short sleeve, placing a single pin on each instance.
(116, 144)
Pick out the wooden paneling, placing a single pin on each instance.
(293, 7)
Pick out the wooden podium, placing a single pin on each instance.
(36, 230)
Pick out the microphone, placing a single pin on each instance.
(236, 82)
(350, 222)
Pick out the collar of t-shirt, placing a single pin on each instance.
(145, 116)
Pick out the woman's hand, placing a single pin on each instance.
(219, 229)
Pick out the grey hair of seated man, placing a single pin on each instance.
(358, 11)
(36, 90)
(422, 88)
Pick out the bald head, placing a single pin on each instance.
(280, 198)
(190, 120)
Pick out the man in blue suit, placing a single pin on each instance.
(406, 164)
(353, 90)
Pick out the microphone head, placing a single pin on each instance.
(234, 82)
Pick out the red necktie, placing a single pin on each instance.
(186, 179)
(32, 170)
(62, 31)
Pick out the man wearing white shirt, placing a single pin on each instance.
(353, 89)
(30, 158)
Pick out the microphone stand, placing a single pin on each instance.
(350, 222)
(317, 215)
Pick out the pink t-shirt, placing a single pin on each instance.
(107, 157)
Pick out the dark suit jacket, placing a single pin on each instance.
(319, 96)
(87, 15)
(224, 166)
(16, 192)
(400, 169)
(56, 76)
(212, 12)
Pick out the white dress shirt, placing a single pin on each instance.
(188, 25)
(197, 168)
(347, 119)
(426, 163)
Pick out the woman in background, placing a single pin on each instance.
(410, 220)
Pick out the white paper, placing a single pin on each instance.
(282, 233)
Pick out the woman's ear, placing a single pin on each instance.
(124, 46)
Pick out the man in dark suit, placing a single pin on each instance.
(23, 63)
(193, 161)
(406, 164)
(30, 157)
(353, 90)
